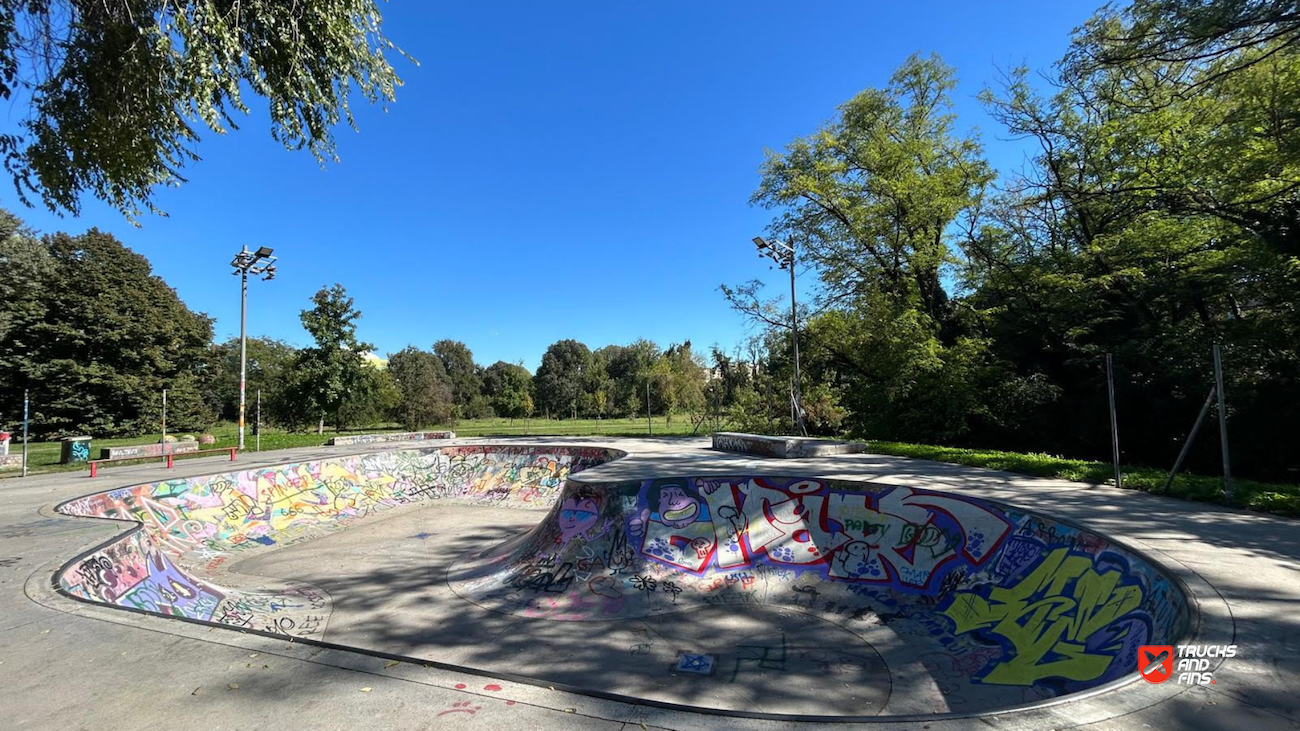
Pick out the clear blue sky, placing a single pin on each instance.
(555, 170)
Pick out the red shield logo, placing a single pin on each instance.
(1156, 662)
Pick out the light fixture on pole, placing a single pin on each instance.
(247, 262)
(783, 254)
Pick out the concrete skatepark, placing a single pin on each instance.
(564, 584)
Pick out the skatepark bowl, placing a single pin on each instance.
(754, 595)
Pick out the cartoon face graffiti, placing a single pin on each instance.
(578, 513)
(676, 508)
(675, 527)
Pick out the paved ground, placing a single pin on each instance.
(65, 664)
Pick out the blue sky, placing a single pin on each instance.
(555, 170)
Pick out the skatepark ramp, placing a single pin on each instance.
(898, 600)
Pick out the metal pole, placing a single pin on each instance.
(164, 422)
(794, 336)
(1187, 447)
(1114, 423)
(259, 419)
(243, 346)
(25, 412)
(1223, 426)
(649, 427)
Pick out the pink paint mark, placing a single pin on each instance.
(460, 686)
(493, 686)
(511, 703)
(462, 707)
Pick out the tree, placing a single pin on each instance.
(117, 91)
(327, 372)
(371, 400)
(560, 378)
(508, 388)
(628, 367)
(424, 388)
(270, 364)
(874, 202)
(98, 338)
(466, 379)
(26, 266)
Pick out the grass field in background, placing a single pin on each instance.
(44, 456)
(1282, 499)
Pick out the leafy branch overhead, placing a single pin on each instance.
(117, 91)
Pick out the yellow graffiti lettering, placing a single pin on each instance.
(1055, 609)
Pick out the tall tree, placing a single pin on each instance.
(874, 202)
(328, 371)
(115, 92)
(560, 378)
(101, 341)
(466, 379)
(425, 390)
(509, 387)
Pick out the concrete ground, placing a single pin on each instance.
(65, 664)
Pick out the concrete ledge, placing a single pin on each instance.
(11, 461)
(148, 450)
(783, 447)
(410, 436)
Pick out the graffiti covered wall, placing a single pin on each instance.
(1005, 596)
(190, 527)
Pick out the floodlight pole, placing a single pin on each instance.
(783, 255)
(244, 262)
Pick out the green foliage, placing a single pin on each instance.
(270, 365)
(324, 375)
(116, 111)
(424, 390)
(1159, 215)
(508, 387)
(371, 399)
(466, 379)
(560, 378)
(97, 337)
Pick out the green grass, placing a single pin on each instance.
(44, 456)
(1282, 499)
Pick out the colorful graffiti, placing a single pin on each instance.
(902, 537)
(988, 594)
(1000, 596)
(190, 527)
(1064, 620)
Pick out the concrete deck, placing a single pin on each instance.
(67, 664)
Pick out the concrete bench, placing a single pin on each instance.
(782, 447)
(147, 450)
(410, 436)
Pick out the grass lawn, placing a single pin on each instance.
(1282, 499)
(44, 456)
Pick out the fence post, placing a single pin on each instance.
(1223, 426)
(1114, 423)
(1187, 446)
(94, 468)
(232, 453)
(169, 460)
